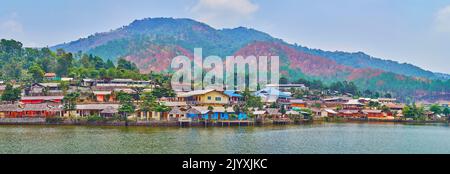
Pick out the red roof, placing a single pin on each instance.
(49, 75)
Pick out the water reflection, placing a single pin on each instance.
(311, 138)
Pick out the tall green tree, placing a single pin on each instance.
(127, 106)
(126, 65)
(11, 94)
(64, 63)
(37, 73)
(251, 101)
(70, 102)
(148, 102)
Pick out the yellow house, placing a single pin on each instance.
(209, 97)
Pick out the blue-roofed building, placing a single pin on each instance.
(272, 95)
(218, 113)
(235, 96)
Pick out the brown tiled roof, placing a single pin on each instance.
(176, 110)
(110, 110)
(49, 75)
(273, 111)
(42, 98)
(29, 107)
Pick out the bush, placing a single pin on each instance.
(95, 118)
(54, 120)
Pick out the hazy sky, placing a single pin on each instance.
(413, 31)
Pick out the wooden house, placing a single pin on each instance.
(41, 99)
(30, 110)
(210, 97)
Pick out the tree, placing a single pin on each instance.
(64, 63)
(163, 92)
(70, 101)
(446, 111)
(126, 105)
(126, 65)
(251, 101)
(283, 110)
(414, 112)
(388, 95)
(11, 94)
(161, 108)
(148, 103)
(436, 109)
(64, 86)
(385, 109)
(373, 104)
(37, 73)
(109, 64)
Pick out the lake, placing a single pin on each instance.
(323, 138)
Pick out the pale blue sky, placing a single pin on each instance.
(413, 31)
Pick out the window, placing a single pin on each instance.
(209, 97)
(218, 98)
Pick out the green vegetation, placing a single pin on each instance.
(11, 94)
(70, 102)
(126, 105)
(414, 112)
(29, 65)
(148, 103)
(446, 111)
(436, 109)
(54, 120)
(95, 119)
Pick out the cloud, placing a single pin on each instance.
(442, 20)
(224, 13)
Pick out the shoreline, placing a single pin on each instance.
(216, 123)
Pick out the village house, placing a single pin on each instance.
(41, 99)
(87, 82)
(287, 87)
(335, 101)
(387, 100)
(353, 105)
(117, 83)
(50, 76)
(272, 95)
(30, 110)
(373, 114)
(297, 103)
(105, 110)
(274, 113)
(209, 97)
(323, 112)
(234, 96)
(177, 113)
(350, 114)
(103, 96)
(218, 113)
(44, 89)
(395, 106)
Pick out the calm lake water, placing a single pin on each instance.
(299, 139)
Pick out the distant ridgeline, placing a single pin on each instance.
(152, 43)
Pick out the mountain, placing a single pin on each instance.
(152, 42)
